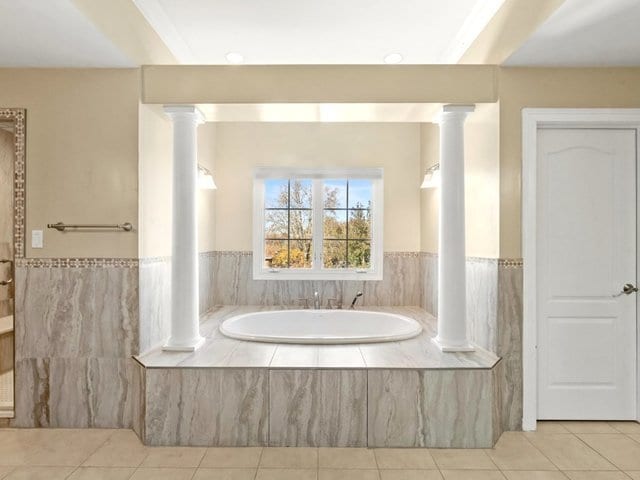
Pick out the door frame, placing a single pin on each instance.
(532, 120)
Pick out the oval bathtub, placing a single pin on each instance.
(320, 326)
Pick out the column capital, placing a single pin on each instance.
(184, 111)
(455, 111)
(451, 108)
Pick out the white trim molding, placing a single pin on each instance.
(534, 119)
(317, 272)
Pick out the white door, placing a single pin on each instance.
(586, 242)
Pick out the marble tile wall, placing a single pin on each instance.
(494, 316)
(214, 407)
(155, 296)
(320, 407)
(76, 328)
(481, 294)
(233, 283)
(447, 408)
(316, 408)
(155, 301)
(509, 342)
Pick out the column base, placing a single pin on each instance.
(446, 347)
(191, 347)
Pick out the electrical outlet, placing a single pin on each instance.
(37, 239)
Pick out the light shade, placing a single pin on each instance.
(205, 179)
(431, 177)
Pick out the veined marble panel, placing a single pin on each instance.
(32, 393)
(155, 302)
(90, 392)
(482, 301)
(509, 343)
(73, 393)
(313, 408)
(429, 300)
(205, 281)
(138, 404)
(206, 407)
(434, 408)
(76, 312)
(233, 283)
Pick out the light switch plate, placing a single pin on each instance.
(37, 240)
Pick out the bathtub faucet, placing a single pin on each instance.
(316, 301)
(355, 299)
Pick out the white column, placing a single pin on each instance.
(185, 321)
(452, 314)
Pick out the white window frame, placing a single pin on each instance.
(317, 272)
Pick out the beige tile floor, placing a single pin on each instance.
(557, 451)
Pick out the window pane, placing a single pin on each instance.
(300, 224)
(275, 254)
(359, 224)
(300, 194)
(334, 254)
(359, 254)
(300, 254)
(335, 224)
(360, 192)
(276, 224)
(335, 194)
(276, 193)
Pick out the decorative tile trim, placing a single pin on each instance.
(77, 262)
(241, 253)
(18, 117)
(152, 260)
(167, 259)
(510, 262)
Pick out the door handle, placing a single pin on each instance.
(628, 289)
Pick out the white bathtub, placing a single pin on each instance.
(320, 326)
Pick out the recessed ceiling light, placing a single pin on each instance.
(234, 57)
(393, 58)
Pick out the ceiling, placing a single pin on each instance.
(52, 33)
(585, 33)
(55, 33)
(318, 32)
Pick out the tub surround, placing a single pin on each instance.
(233, 283)
(342, 394)
(155, 296)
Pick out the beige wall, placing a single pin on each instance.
(547, 87)
(243, 146)
(482, 194)
(156, 147)
(81, 154)
(155, 182)
(206, 198)
(429, 198)
(319, 84)
(482, 181)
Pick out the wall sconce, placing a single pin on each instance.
(205, 179)
(431, 177)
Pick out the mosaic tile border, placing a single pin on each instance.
(77, 262)
(18, 117)
(511, 262)
(243, 253)
(502, 262)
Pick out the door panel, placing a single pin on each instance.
(586, 243)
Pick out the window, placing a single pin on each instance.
(317, 224)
